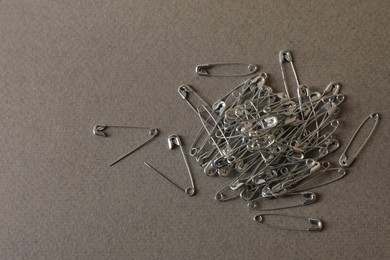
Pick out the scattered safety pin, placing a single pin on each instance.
(202, 70)
(346, 160)
(153, 132)
(309, 198)
(173, 141)
(99, 129)
(315, 224)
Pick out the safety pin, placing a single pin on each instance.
(184, 90)
(341, 172)
(223, 194)
(173, 141)
(99, 129)
(202, 70)
(153, 132)
(309, 198)
(285, 56)
(344, 159)
(315, 224)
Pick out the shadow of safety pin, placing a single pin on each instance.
(173, 141)
(203, 69)
(315, 224)
(346, 160)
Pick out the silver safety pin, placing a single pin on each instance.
(99, 129)
(309, 198)
(173, 141)
(184, 90)
(341, 172)
(346, 160)
(315, 224)
(153, 132)
(285, 56)
(203, 69)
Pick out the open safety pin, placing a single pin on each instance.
(99, 131)
(315, 224)
(173, 141)
(202, 70)
(346, 160)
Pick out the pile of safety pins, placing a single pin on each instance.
(271, 144)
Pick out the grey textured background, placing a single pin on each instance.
(67, 65)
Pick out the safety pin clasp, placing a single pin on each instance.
(346, 160)
(315, 224)
(203, 69)
(98, 130)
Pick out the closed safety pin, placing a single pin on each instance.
(309, 198)
(202, 70)
(346, 160)
(315, 224)
(99, 129)
(285, 56)
(173, 141)
(341, 172)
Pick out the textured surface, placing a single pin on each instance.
(65, 66)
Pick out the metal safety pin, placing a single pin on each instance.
(173, 141)
(153, 132)
(202, 70)
(285, 56)
(309, 198)
(315, 224)
(99, 129)
(341, 172)
(184, 90)
(346, 160)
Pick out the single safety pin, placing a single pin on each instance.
(153, 132)
(346, 160)
(99, 129)
(285, 56)
(203, 69)
(315, 224)
(309, 198)
(173, 141)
